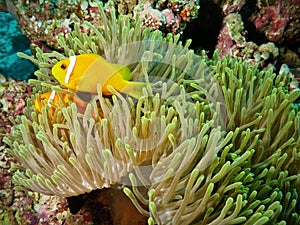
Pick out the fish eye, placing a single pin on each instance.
(63, 66)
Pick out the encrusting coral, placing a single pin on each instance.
(212, 141)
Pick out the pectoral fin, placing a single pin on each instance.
(123, 71)
(134, 89)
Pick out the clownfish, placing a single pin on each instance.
(84, 72)
(55, 101)
(50, 97)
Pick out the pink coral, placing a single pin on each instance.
(151, 17)
(168, 16)
(232, 7)
(225, 42)
(272, 20)
(172, 20)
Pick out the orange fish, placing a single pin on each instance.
(52, 99)
(55, 101)
(84, 72)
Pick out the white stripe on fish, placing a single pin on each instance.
(51, 97)
(70, 68)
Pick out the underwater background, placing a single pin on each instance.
(213, 138)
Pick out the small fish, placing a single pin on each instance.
(55, 101)
(50, 97)
(84, 72)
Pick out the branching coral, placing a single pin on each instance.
(212, 141)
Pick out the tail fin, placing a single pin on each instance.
(134, 89)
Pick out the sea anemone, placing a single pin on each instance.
(211, 141)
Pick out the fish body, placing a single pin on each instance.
(84, 72)
(52, 99)
(55, 101)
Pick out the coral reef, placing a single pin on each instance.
(232, 41)
(262, 22)
(42, 23)
(13, 95)
(212, 141)
(168, 16)
(278, 21)
(232, 6)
